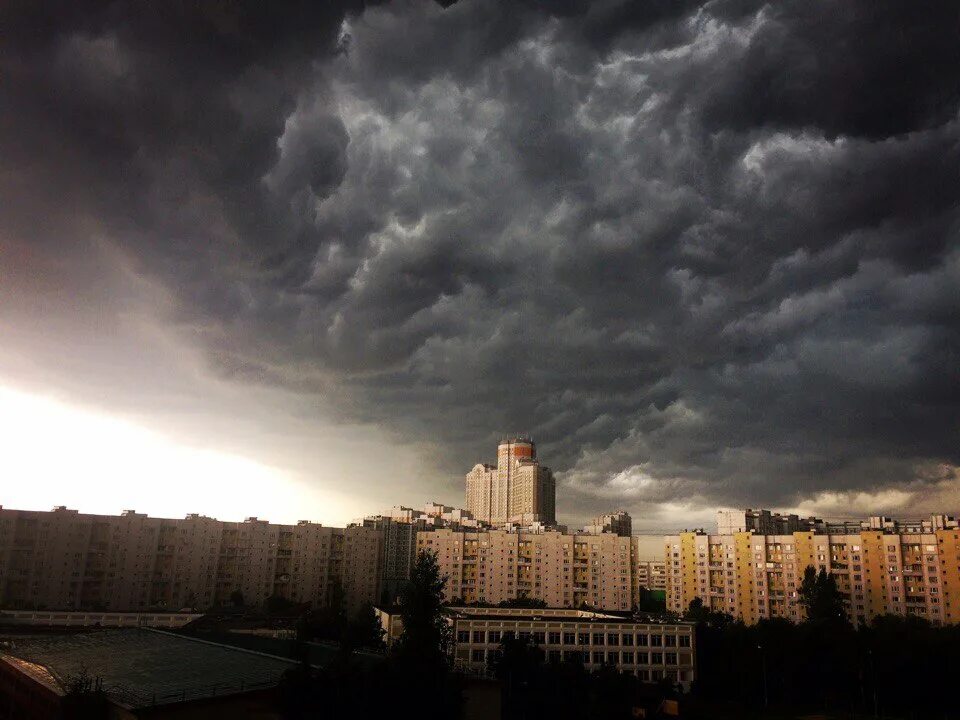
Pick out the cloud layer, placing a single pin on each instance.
(706, 253)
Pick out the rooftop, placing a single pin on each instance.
(142, 667)
(546, 614)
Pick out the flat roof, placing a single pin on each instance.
(569, 615)
(142, 667)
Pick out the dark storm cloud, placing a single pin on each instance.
(700, 251)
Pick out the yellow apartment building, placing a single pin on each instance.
(881, 567)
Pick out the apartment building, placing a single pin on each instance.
(651, 651)
(763, 522)
(618, 523)
(650, 574)
(399, 529)
(518, 487)
(563, 570)
(67, 560)
(886, 567)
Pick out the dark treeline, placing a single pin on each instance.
(897, 667)
(534, 689)
(415, 674)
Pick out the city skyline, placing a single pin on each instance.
(286, 266)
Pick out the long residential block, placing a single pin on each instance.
(65, 560)
(886, 567)
(563, 570)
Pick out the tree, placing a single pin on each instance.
(523, 602)
(426, 635)
(363, 631)
(820, 597)
(650, 601)
(84, 698)
(328, 622)
(277, 604)
(696, 612)
(517, 664)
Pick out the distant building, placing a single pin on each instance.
(882, 566)
(562, 570)
(618, 523)
(650, 575)
(400, 529)
(762, 522)
(66, 560)
(517, 487)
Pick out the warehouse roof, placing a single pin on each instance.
(141, 667)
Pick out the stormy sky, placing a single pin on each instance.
(314, 260)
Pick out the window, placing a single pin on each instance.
(613, 639)
(569, 638)
(463, 636)
(627, 658)
(671, 658)
(643, 658)
(627, 639)
(539, 637)
(656, 640)
(598, 638)
(476, 655)
(553, 638)
(555, 656)
(478, 636)
(583, 638)
(493, 636)
(685, 641)
(656, 658)
(642, 639)
(670, 640)
(598, 657)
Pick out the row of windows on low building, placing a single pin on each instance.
(494, 637)
(596, 657)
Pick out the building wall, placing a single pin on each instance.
(753, 577)
(518, 486)
(479, 491)
(649, 574)
(67, 560)
(560, 569)
(650, 651)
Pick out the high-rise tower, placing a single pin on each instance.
(519, 488)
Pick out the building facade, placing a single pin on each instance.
(650, 575)
(399, 529)
(885, 567)
(763, 522)
(518, 488)
(651, 651)
(562, 570)
(618, 523)
(67, 560)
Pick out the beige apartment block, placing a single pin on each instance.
(618, 523)
(517, 487)
(650, 574)
(906, 568)
(561, 569)
(67, 560)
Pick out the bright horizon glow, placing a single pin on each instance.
(52, 453)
